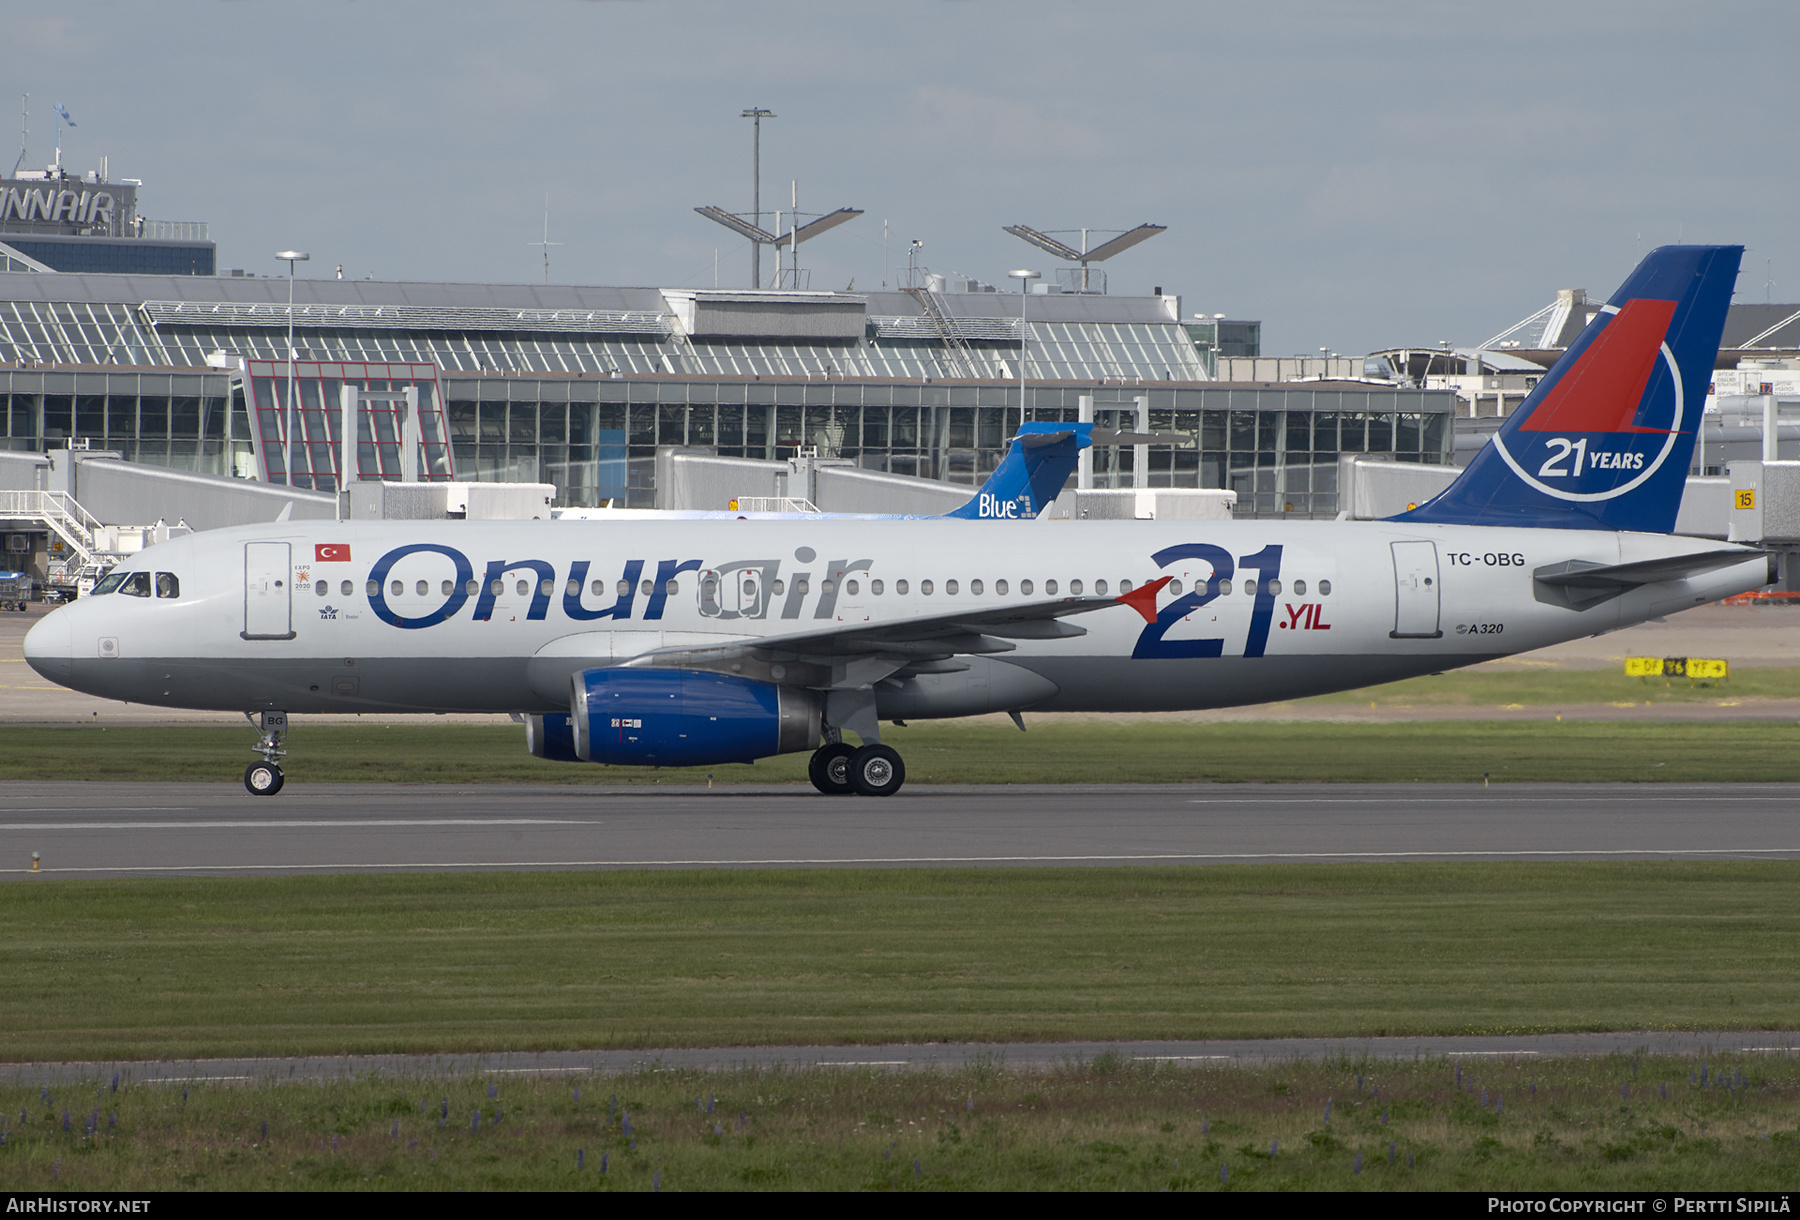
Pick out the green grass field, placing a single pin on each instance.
(1536, 686)
(1616, 1123)
(520, 961)
(1066, 751)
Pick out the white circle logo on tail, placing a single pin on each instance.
(1577, 450)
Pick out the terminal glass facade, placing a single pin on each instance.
(596, 438)
(315, 409)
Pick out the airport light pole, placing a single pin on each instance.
(757, 114)
(1024, 278)
(287, 425)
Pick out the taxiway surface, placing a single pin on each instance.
(168, 829)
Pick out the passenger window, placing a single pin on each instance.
(346, 589)
(1249, 588)
(624, 589)
(802, 585)
(1174, 587)
(136, 585)
(421, 588)
(1324, 588)
(826, 587)
(1299, 588)
(322, 588)
(1075, 588)
(900, 587)
(1099, 586)
(167, 585)
(373, 589)
(1049, 588)
(522, 587)
(1225, 588)
(648, 587)
(1000, 587)
(1025, 588)
(851, 587)
(672, 588)
(397, 588)
(949, 588)
(778, 587)
(449, 587)
(1124, 587)
(545, 587)
(925, 587)
(599, 588)
(496, 587)
(875, 587)
(975, 587)
(1274, 588)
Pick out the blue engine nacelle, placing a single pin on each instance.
(551, 736)
(684, 718)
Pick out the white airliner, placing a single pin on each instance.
(690, 642)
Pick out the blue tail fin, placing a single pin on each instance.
(1031, 475)
(1604, 440)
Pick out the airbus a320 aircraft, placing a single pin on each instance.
(698, 642)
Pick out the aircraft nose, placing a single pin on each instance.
(49, 646)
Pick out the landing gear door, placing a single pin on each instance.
(268, 591)
(1416, 591)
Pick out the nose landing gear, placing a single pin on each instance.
(265, 778)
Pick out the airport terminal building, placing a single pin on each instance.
(580, 386)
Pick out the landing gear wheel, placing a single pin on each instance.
(877, 771)
(829, 769)
(263, 779)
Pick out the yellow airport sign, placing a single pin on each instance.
(1676, 667)
(1746, 498)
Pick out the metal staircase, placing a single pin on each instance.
(960, 352)
(78, 528)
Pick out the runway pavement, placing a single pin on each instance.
(100, 830)
(1235, 1052)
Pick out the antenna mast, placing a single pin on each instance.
(546, 243)
(24, 129)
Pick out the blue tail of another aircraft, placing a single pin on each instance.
(1604, 440)
(1031, 475)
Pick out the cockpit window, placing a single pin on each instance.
(167, 585)
(110, 582)
(137, 584)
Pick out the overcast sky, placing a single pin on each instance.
(1357, 175)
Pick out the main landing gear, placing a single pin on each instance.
(265, 778)
(839, 769)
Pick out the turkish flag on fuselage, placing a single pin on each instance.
(331, 552)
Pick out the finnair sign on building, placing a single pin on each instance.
(56, 204)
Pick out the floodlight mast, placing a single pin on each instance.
(796, 233)
(756, 114)
(1084, 256)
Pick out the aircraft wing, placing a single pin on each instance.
(929, 637)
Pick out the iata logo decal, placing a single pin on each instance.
(1612, 417)
(328, 612)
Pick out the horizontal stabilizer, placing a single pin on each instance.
(1579, 583)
